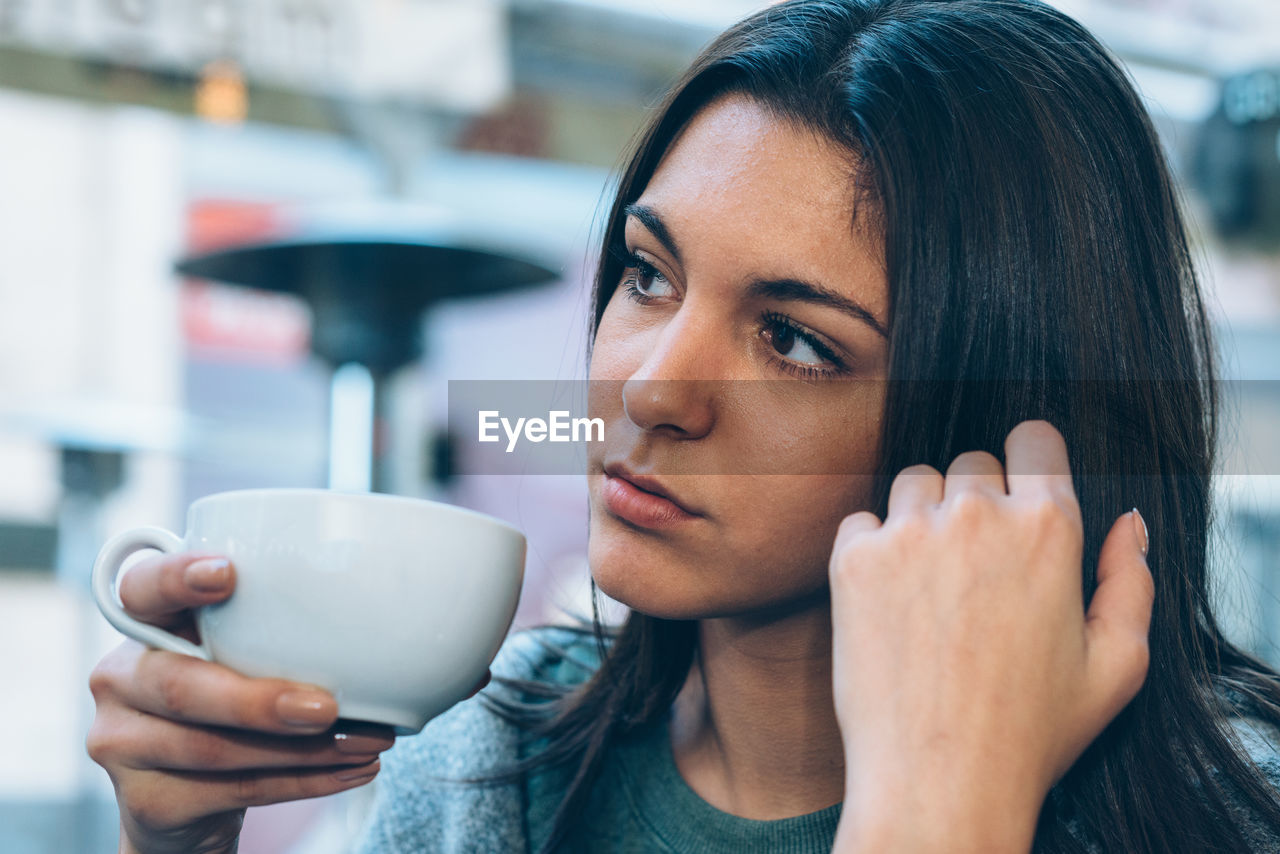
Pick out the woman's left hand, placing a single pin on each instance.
(968, 676)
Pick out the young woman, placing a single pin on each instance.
(894, 323)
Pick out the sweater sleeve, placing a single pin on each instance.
(419, 807)
(1261, 740)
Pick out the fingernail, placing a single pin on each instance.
(362, 773)
(346, 742)
(305, 709)
(1140, 528)
(208, 575)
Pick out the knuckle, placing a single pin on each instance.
(842, 566)
(1142, 656)
(856, 524)
(100, 744)
(249, 789)
(909, 526)
(855, 527)
(252, 706)
(174, 692)
(102, 681)
(251, 703)
(1135, 661)
(1061, 493)
(110, 678)
(316, 785)
(204, 751)
(969, 507)
(260, 714)
(145, 803)
(1147, 582)
(121, 742)
(1046, 512)
(852, 566)
(170, 581)
(130, 584)
(856, 518)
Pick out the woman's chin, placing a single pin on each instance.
(654, 599)
(653, 578)
(669, 596)
(646, 586)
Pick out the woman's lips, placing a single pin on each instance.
(627, 501)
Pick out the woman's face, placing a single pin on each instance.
(719, 371)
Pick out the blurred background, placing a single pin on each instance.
(412, 186)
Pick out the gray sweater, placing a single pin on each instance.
(639, 804)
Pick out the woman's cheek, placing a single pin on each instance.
(620, 350)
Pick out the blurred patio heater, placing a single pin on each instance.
(368, 284)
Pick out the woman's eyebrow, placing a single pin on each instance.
(783, 290)
(649, 218)
(795, 290)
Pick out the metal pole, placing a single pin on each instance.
(352, 413)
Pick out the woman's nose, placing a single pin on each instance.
(672, 389)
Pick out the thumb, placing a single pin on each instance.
(1119, 615)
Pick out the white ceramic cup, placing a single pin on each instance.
(397, 606)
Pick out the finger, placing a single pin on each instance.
(1035, 456)
(188, 689)
(488, 675)
(175, 798)
(158, 588)
(1119, 617)
(864, 521)
(976, 471)
(915, 488)
(146, 742)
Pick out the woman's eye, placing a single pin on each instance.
(796, 346)
(806, 356)
(640, 276)
(789, 343)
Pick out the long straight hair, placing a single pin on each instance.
(1034, 245)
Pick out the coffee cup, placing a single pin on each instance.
(395, 605)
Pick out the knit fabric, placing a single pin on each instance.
(639, 803)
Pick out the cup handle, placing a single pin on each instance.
(107, 567)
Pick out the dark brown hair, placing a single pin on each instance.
(1033, 237)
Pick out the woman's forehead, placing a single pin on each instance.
(736, 142)
(741, 186)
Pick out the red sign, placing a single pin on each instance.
(224, 322)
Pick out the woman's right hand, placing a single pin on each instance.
(189, 744)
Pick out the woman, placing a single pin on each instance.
(861, 244)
